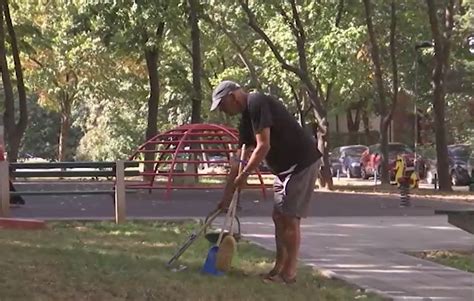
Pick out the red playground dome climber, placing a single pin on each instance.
(187, 156)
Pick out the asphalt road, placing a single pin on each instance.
(198, 203)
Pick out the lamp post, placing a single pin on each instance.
(418, 46)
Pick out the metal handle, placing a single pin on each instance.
(233, 203)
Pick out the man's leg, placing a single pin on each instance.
(291, 242)
(281, 252)
(299, 189)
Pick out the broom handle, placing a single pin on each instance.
(232, 216)
(242, 157)
(234, 201)
(234, 211)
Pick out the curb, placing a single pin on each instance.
(22, 224)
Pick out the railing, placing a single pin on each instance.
(118, 170)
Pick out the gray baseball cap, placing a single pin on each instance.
(222, 90)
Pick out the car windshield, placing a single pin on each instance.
(398, 148)
(461, 151)
(355, 151)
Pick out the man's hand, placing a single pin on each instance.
(241, 180)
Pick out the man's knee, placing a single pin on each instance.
(291, 223)
(277, 216)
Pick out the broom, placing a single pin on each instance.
(228, 245)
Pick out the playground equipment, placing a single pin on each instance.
(406, 179)
(188, 156)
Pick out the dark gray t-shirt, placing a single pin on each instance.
(289, 143)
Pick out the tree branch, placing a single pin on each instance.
(254, 25)
(186, 48)
(340, 10)
(299, 25)
(375, 56)
(287, 20)
(241, 52)
(36, 62)
(448, 27)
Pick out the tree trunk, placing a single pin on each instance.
(23, 119)
(196, 56)
(393, 58)
(299, 107)
(380, 89)
(66, 105)
(365, 120)
(13, 132)
(63, 137)
(442, 50)
(353, 125)
(387, 118)
(9, 113)
(151, 58)
(325, 178)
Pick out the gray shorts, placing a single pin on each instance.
(293, 191)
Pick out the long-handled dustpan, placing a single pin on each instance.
(211, 217)
(211, 259)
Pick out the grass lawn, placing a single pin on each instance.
(462, 260)
(104, 261)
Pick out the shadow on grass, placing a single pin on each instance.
(103, 261)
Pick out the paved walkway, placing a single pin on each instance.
(369, 251)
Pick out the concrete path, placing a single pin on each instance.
(369, 251)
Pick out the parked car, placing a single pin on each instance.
(460, 168)
(371, 160)
(346, 160)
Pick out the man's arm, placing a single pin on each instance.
(260, 152)
(230, 186)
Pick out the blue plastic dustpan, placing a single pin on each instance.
(210, 263)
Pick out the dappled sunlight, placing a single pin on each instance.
(260, 235)
(326, 234)
(20, 243)
(420, 226)
(368, 226)
(125, 233)
(82, 228)
(364, 270)
(441, 228)
(126, 245)
(132, 254)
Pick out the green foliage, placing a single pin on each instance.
(92, 54)
(42, 135)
